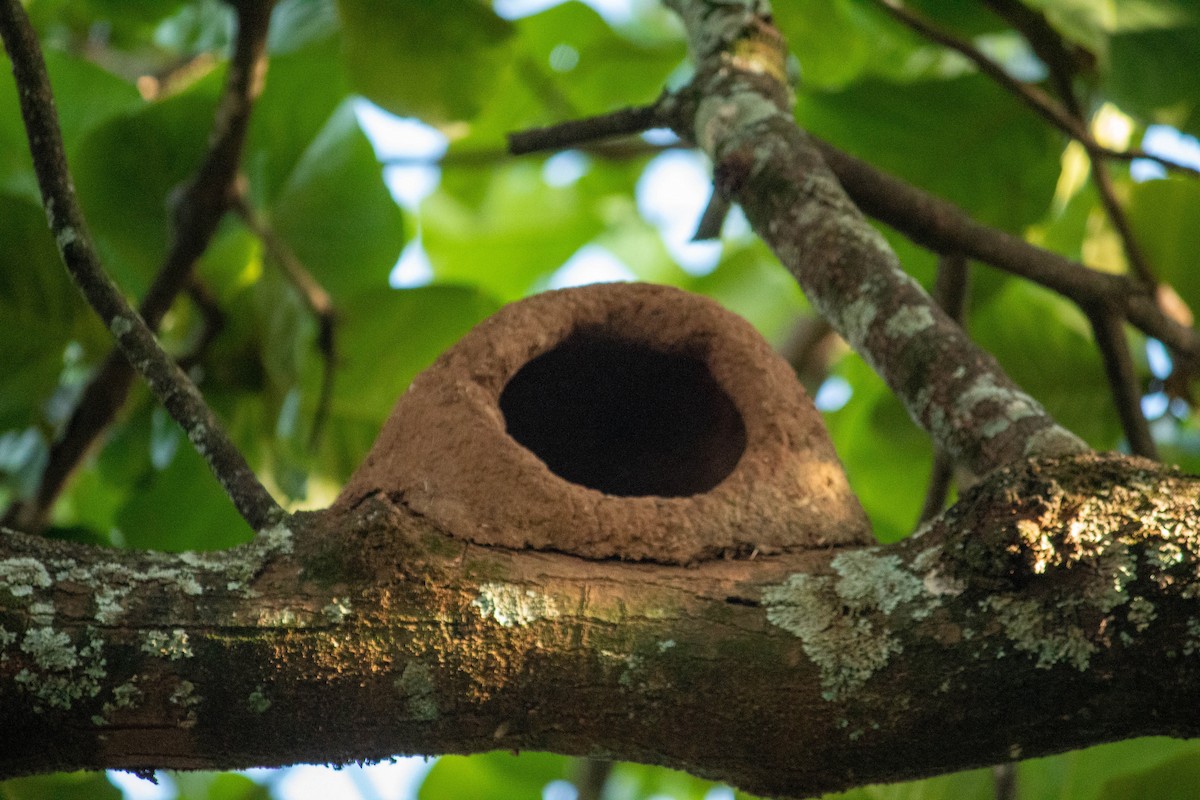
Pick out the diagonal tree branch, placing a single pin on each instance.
(1109, 330)
(134, 337)
(940, 225)
(199, 207)
(1061, 117)
(738, 109)
(1068, 116)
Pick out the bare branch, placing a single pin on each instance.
(1032, 96)
(940, 225)
(1123, 381)
(950, 292)
(318, 301)
(134, 337)
(623, 122)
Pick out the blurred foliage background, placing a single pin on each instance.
(420, 227)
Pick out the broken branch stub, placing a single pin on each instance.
(615, 421)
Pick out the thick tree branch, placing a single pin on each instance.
(368, 635)
(134, 337)
(738, 111)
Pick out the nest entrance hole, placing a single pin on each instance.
(625, 418)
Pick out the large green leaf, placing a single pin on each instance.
(40, 313)
(494, 776)
(887, 457)
(385, 338)
(592, 67)
(963, 139)
(973, 785)
(126, 170)
(1146, 78)
(336, 212)
(423, 59)
(64, 786)
(1165, 216)
(519, 230)
(1044, 343)
(1098, 772)
(151, 519)
(303, 88)
(85, 96)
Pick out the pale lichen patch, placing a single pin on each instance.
(120, 326)
(22, 575)
(184, 696)
(257, 701)
(512, 605)
(337, 610)
(61, 672)
(173, 645)
(1033, 629)
(416, 684)
(908, 321)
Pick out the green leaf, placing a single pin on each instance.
(518, 231)
(85, 96)
(1145, 78)
(592, 67)
(217, 786)
(63, 786)
(1044, 343)
(1165, 217)
(125, 173)
(493, 776)
(151, 519)
(336, 213)
(973, 785)
(750, 281)
(1005, 159)
(422, 59)
(887, 457)
(1099, 772)
(40, 313)
(304, 87)
(385, 338)
(642, 780)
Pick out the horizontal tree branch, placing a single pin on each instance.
(1009, 628)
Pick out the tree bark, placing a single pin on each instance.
(1046, 611)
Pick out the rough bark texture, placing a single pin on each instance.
(672, 433)
(1045, 611)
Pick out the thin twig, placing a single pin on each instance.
(318, 301)
(213, 323)
(622, 122)
(1005, 779)
(199, 206)
(944, 227)
(1109, 330)
(810, 348)
(591, 775)
(1062, 59)
(134, 337)
(1032, 96)
(1051, 48)
(950, 292)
